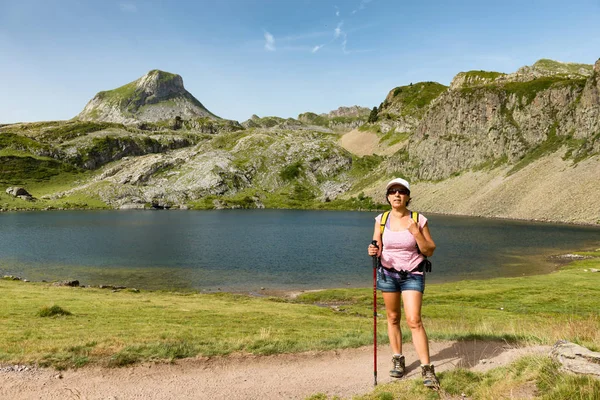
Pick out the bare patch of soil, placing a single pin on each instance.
(363, 143)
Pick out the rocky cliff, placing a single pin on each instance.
(488, 119)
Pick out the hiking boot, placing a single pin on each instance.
(429, 378)
(397, 370)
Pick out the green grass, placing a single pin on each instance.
(365, 164)
(16, 142)
(536, 377)
(523, 309)
(392, 137)
(120, 328)
(53, 183)
(72, 129)
(529, 90)
(414, 99)
(20, 170)
(558, 67)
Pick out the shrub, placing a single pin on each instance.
(53, 311)
(292, 171)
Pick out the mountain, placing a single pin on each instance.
(155, 97)
(513, 145)
(490, 119)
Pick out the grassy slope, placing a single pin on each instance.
(124, 327)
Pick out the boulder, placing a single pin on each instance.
(576, 359)
(18, 192)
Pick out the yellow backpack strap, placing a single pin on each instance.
(415, 216)
(384, 218)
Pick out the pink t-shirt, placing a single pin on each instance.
(400, 248)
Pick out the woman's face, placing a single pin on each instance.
(398, 195)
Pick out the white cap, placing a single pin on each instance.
(398, 181)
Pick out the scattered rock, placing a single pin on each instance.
(17, 368)
(576, 359)
(11, 278)
(74, 283)
(572, 257)
(132, 206)
(111, 287)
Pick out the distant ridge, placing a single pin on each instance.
(156, 96)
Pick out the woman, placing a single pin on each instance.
(401, 250)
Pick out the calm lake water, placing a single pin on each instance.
(244, 250)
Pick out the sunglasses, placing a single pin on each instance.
(399, 191)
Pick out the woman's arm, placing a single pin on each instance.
(376, 237)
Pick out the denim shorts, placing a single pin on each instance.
(387, 283)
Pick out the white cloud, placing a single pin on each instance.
(317, 48)
(303, 36)
(337, 11)
(338, 30)
(269, 42)
(128, 7)
(363, 4)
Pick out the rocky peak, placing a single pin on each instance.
(161, 85)
(544, 68)
(541, 68)
(352, 111)
(156, 96)
(597, 67)
(474, 78)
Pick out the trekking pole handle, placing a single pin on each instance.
(374, 243)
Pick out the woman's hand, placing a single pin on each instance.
(373, 251)
(413, 227)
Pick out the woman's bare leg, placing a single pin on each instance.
(413, 300)
(392, 308)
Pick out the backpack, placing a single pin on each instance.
(425, 265)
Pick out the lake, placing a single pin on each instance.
(246, 250)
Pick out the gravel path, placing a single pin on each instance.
(343, 373)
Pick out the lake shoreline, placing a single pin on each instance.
(560, 261)
(486, 217)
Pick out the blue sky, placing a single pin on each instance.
(267, 57)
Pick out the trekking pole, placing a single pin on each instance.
(375, 265)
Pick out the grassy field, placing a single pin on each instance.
(68, 327)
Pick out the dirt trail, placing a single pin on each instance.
(343, 373)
